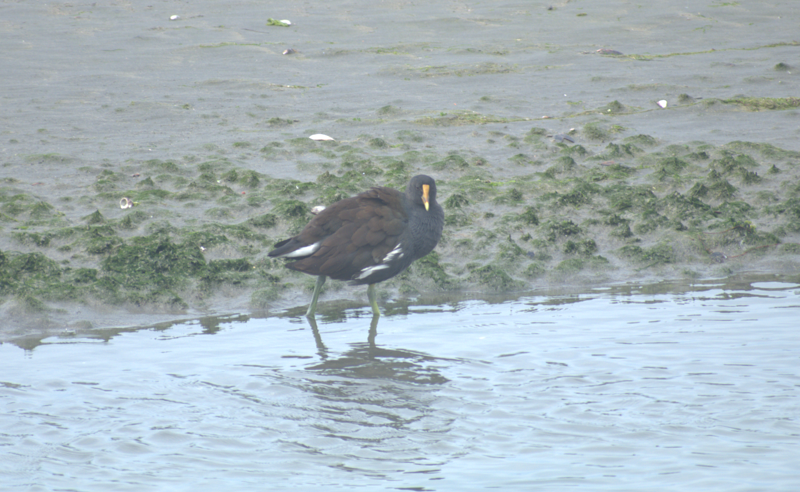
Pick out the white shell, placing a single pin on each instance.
(662, 103)
(319, 136)
(317, 209)
(287, 22)
(174, 17)
(125, 203)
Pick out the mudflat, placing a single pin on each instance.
(573, 143)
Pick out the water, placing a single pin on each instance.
(624, 388)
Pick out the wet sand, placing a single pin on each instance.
(204, 122)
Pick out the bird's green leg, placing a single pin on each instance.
(312, 308)
(371, 294)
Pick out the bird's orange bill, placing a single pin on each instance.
(425, 190)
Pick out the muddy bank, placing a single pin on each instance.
(202, 123)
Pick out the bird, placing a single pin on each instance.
(368, 238)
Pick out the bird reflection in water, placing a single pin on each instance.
(370, 361)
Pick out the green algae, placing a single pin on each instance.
(563, 165)
(562, 208)
(613, 171)
(32, 278)
(51, 158)
(555, 230)
(536, 131)
(718, 187)
(21, 207)
(509, 252)
(41, 240)
(681, 207)
(575, 265)
(430, 268)
(641, 57)
(587, 247)
(623, 196)
(476, 187)
(132, 220)
(529, 216)
(452, 161)
(659, 254)
(764, 150)
(619, 151)
(388, 110)
(278, 122)
(697, 156)
(244, 178)
(277, 23)
(614, 107)
(230, 272)
(671, 167)
(362, 166)
(409, 136)
(740, 236)
(641, 140)
(493, 277)
(265, 298)
(622, 231)
(219, 213)
(580, 193)
(462, 118)
(521, 159)
(456, 201)
(27, 267)
(511, 196)
(534, 270)
(377, 143)
(154, 261)
(263, 221)
(765, 103)
(460, 70)
(596, 131)
(576, 150)
(287, 188)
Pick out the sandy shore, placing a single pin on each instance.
(202, 122)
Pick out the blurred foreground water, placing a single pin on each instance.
(664, 387)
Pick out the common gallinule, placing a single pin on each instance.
(368, 238)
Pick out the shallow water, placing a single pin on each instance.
(622, 388)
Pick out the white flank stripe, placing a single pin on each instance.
(394, 254)
(304, 251)
(370, 270)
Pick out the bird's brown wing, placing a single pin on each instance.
(356, 233)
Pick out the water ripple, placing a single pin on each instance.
(697, 390)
